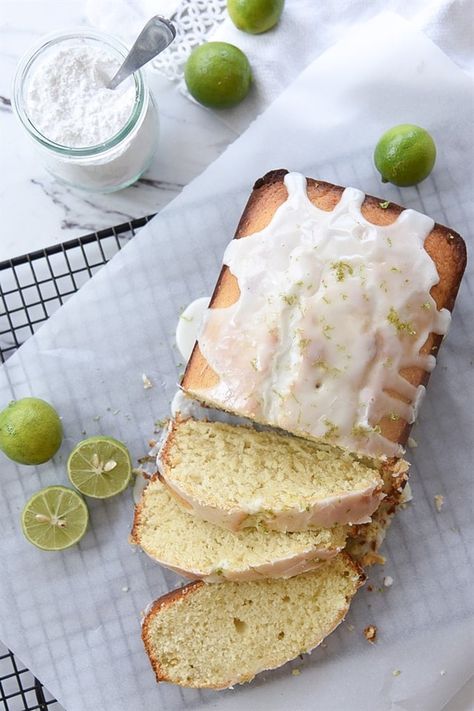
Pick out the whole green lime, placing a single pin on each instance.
(405, 155)
(218, 75)
(255, 16)
(30, 431)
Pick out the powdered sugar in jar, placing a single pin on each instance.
(88, 136)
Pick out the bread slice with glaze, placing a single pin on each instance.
(215, 636)
(237, 477)
(198, 549)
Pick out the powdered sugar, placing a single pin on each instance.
(67, 99)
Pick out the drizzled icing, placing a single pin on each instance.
(331, 308)
(189, 325)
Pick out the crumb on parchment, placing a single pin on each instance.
(372, 558)
(388, 581)
(439, 502)
(396, 672)
(296, 672)
(147, 384)
(370, 633)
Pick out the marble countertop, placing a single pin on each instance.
(36, 210)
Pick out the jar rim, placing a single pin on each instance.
(34, 53)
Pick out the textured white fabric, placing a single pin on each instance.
(125, 18)
(194, 20)
(307, 28)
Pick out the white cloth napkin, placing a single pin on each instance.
(306, 29)
(125, 18)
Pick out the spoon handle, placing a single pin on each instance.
(157, 34)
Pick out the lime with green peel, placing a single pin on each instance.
(255, 16)
(30, 431)
(405, 155)
(218, 75)
(100, 467)
(55, 518)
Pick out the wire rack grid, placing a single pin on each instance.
(32, 287)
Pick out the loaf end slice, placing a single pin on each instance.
(215, 636)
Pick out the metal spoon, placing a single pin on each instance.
(157, 34)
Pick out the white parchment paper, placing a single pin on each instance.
(67, 615)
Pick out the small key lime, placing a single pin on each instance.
(100, 467)
(218, 75)
(405, 155)
(54, 518)
(255, 16)
(30, 431)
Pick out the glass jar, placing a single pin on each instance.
(113, 164)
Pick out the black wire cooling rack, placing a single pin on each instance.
(32, 287)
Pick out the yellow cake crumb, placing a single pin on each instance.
(370, 633)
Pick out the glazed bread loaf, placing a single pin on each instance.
(327, 314)
(215, 636)
(198, 549)
(237, 477)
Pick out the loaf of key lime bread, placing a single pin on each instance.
(327, 315)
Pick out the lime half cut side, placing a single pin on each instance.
(100, 467)
(54, 518)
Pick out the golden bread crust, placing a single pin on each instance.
(446, 248)
(167, 599)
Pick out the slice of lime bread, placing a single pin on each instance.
(215, 636)
(198, 549)
(237, 477)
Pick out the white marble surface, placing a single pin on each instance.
(36, 210)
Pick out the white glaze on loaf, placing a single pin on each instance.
(331, 308)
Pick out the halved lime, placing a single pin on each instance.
(54, 518)
(100, 467)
